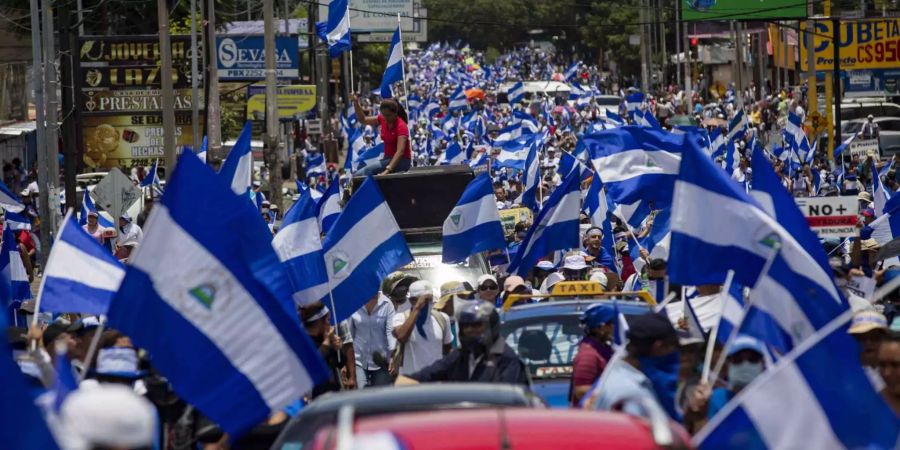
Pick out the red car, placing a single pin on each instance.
(513, 429)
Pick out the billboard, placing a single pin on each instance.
(864, 44)
(129, 140)
(376, 16)
(119, 85)
(244, 57)
(742, 9)
(292, 100)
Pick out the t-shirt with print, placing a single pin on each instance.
(421, 352)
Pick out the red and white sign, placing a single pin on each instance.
(830, 216)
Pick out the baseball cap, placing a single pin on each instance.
(574, 262)
(744, 342)
(598, 315)
(650, 327)
(486, 277)
(108, 415)
(451, 288)
(866, 321)
(601, 278)
(513, 282)
(420, 288)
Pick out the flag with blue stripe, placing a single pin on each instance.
(65, 383)
(238, 165)
(715, 217)
(817, 396)
(336, 30)
(17, 221)
(531, 179)
(87, 205)
(299, 247)
(203, 149)
(393, 71)
(152, 177)
(572, 71)
(554, 228)
(370, 156)
(363, 247)
(13, 269)
(315, 164)
(597, 208)
(329, 206)
(839, 150)
(473, 225)
(516, 93)
(458, 100)
(81, 275)
(9, 201)
(732, 312)
(23, 426)
(633, 102)
(207, 270)
(452, 155)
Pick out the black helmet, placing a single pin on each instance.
(475, 313)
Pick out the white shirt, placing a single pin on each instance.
(422, 352)
(131, 234)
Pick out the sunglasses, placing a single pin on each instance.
(487, 287)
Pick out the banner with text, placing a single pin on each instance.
(830, 217)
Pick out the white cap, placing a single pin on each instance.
(118, 361)
(107, 415)
(600, 277)
(420, 288)
(484, 278)
(574, 262)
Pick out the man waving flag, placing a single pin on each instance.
(207, 270)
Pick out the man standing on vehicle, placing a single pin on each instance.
(483, 355)
(594, 350)
(423, 334)
(869, 129)
(648, 370)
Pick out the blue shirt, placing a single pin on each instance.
(372, 333)
(718, 399)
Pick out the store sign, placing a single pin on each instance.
(133, 100)
(742, 9)
(292, 100)
(120, 62)
(374, 16)
(244, 57)
(131, 140)
(862, 44)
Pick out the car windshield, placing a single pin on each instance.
(546, 344)
(429, 267)
(851, 127)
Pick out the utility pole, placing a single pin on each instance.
(645, 74)
(69, 96)
(213, 111)
(688, 75)
(51, 115)
(41, 125)
(195, 82)
(168, 91)
(678, 42)
(664, 65)
(836, 78)
(272, 150)
(739, 62)
(811, 85)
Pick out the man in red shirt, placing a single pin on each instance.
(594, 350)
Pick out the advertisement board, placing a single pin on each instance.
(863, 44)
(742, 9)
(830, 216)
(133, 100)
(244, 57)
(126, 141)
(292, 100)
(123, 62)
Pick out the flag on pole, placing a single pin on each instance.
(458, 100)
(474, 223)
(203, 147)
(813, 398)
(16, 221)
(572, 72)
(207, 270)
(393, 71)
(452, 155)
(336, 30)
(238, 165)
(13, 269)
(516, 93)
(299, 247)
(9, 201)
(363, 247)
(152, 177)
(531, 179)
(329, 206)
(81, 276)
(87, 205)
(555, 227)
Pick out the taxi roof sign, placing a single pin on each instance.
(577, 288)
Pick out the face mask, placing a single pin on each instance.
(741, 375)
(663, 373)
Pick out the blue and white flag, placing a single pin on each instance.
(87, 205)
(531, 179)
(393, 71)
(614, 119)
(513, 155)
(430, 109)
(839, 150)
(633, 102)
(152, 177)
(336, 31)
(17, 221)
(715, 217)
(637, 165)
(481, 160)
(203, 149)
(800, 403)
(516, 93)
(718, 143)
(65, 383)
(9, 201)
(329, 206)
(473, 225)
(370, 156)
(695, 329)
(568, 163)
(23, 426)
(554, 228)
(794, 135)
(238, 165)
(508, 134)
(363, 247)
(572, 72)
(13, 269)
(886, 227)
(315, 164)
(452, 155)
(732, 312)
(458, 100)
(207, 270)
(299, 247)
(81, 275)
